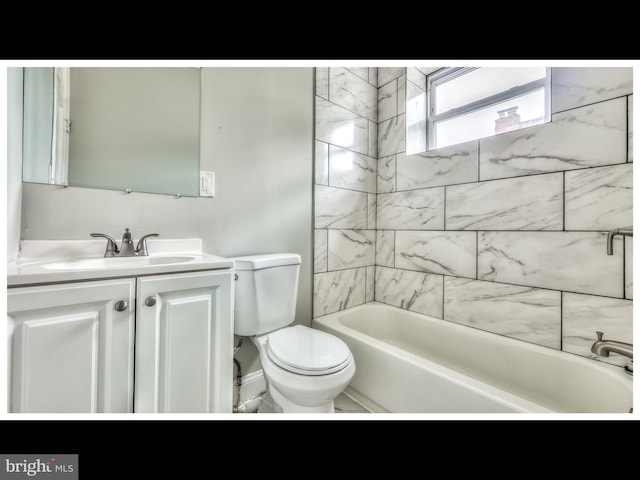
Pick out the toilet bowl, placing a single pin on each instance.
(304, 368)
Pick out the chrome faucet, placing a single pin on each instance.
(628, 231)
(126, 247)
(602, 348)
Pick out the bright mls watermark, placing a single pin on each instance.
(51, 467)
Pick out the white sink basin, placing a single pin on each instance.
(51, 261)
(118, 262)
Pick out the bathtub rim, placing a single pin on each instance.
(331, 321)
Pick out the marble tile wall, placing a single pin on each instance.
(346, 177)
(416, 111)
(506, 234)
(630, 130)
(588, 136)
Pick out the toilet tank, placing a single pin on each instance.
(266, 290)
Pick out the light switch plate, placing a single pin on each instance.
(207, 184)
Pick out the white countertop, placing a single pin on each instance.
(37, 259)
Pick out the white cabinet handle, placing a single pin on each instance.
(120, 306)
(150, 301)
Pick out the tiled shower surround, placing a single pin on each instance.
(506, 233)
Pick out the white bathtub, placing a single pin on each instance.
(411, 363)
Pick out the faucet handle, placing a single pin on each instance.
(141, 247)
(112, 247)
(600, 334)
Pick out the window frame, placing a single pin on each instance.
(446, 74)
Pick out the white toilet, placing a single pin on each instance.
(305, 368)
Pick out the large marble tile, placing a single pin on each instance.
(444, 166)
(415, 291)
(322, 82)
(322, 163)
(353, 93)
(370, 293)
(340, 208)
(573, 87)
(599, 198)
(391, 136)
(373, 76)
(402, 94)
(387, 174)
(524, 313)
(373, 139)
(416, 120)
(335, 291)
(583, 315)
(385, 248)
(348, 169)
(341, 127)
(351, 248)
(570, 261)
(362, 72)
(628, 268)
(630, 131)
(522, 203)
(388, 101)
(585, 137)
(412, 210)
(416, 77)
(387, 74)
(446, 253)
(320, 250)
(429, 70)
(372, 211)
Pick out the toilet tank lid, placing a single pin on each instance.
(257, 262)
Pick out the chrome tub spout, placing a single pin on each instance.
(603, 348)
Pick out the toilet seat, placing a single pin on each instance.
(307, 351)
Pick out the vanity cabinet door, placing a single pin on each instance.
(70, 347)
(184, 343)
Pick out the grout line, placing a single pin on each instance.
(489, 230)
(348, 149)
(624, 267)
(555, 172)
(561, 317)
(564, 201)
(585, 105)
(444, 209)
(477, 254)
(326, 242)
(510, 284)
(627, 129)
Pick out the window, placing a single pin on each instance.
(464, 104)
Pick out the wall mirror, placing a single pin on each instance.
(132, 129)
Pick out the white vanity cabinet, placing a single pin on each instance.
(71, 347)
(184, 342)
(146, 344)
